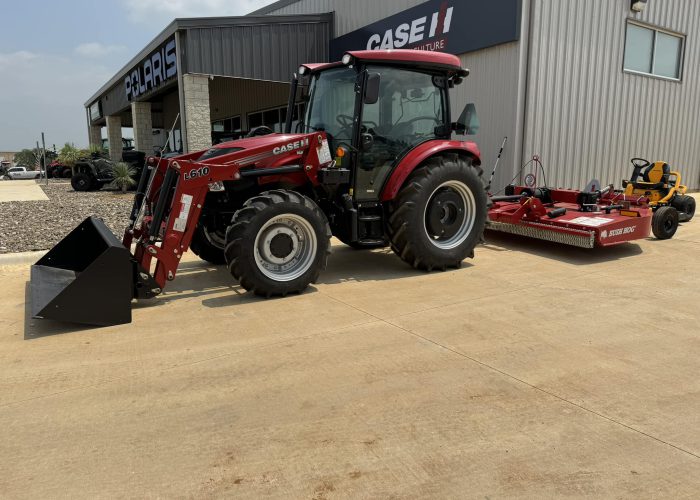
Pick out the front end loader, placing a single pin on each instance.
(372, 162)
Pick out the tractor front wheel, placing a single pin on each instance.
(664, 222)
(440, 214)
(277, 243)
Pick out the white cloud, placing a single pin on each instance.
(96, 49)
(16, 59)
(164, 11)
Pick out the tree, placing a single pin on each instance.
(28, 158)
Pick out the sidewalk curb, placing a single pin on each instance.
(17, 259)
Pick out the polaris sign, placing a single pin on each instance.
(153, 71)
(454, 26)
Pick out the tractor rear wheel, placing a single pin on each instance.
(81, 182)
(685, 204)
(208, 244)
(277, 243)
(664, 223)
(439, 215)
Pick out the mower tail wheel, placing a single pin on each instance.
(439, 215)
(686, 205)
(208, 244)
(664, 223)
(81, 182)
(277, 243)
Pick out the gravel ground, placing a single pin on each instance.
(38, 225)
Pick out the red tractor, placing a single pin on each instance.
(372, 162)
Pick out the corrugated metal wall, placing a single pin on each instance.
(585, 116)
(492, 86)
(349, 14)
(264, 52)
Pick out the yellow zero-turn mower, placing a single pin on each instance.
(662, 186)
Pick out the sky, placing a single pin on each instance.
(54, 55)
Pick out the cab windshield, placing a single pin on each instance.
(410, 109)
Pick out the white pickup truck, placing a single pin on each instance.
(16, 173)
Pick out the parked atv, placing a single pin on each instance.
(93, 173)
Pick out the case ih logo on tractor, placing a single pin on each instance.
(291, 146)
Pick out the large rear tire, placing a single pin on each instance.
(440, 214)
(664, 223)
(208, 244)
(686, 204)
(277, 243)
(82, 182)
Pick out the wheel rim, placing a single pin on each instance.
(285, 247)
(450, 215)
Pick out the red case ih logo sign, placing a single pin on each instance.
(152, 72)
(416, 32)
(454, 26)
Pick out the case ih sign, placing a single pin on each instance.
(454, 26)
(153, 71)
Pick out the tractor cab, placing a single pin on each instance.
(377, 107)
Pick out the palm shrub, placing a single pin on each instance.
(97, 150)
(123, 176)
(68, 155)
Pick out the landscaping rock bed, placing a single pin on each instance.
(38, 225)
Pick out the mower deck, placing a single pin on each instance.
(570, 217)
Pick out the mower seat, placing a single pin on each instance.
(655, 177)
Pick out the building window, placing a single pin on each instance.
(652, 51)
(275, 118)
(227, 125)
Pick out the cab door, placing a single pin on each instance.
(409, 110)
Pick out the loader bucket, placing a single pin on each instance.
(86, 278)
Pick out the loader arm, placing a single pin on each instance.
(178, 188)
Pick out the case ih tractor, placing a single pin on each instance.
(371, 162)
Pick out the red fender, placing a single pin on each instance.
(421, 153)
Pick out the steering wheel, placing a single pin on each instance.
(640, 163)
(345, 121)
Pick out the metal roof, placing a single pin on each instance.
(279, 4)
(189, 24)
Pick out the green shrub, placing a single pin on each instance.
(123, 176)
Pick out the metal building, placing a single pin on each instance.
(584, 85)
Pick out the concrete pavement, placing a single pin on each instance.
(23, 190)
(534, 371)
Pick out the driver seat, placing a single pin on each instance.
(654, 177)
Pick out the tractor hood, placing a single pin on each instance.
(252, 150)
(270, 140)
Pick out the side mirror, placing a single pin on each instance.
(372, 88)
(468, 122)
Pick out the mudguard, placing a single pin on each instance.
(421, 153)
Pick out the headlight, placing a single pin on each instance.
(302, 70)
(347, 59)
